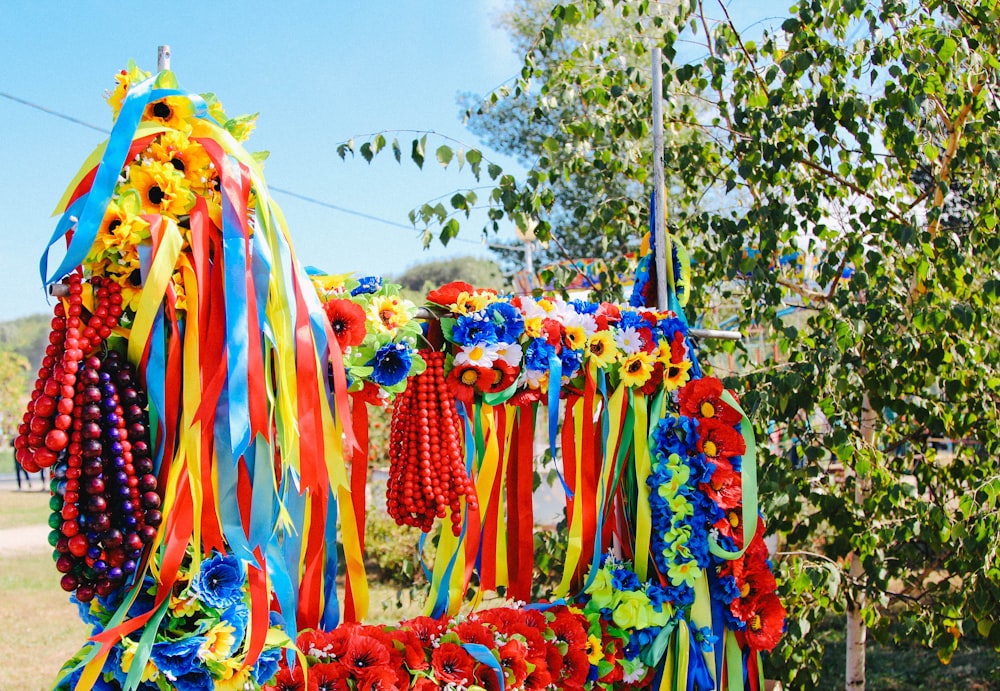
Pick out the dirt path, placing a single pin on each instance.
(24, 539)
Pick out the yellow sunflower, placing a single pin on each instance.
(172, 111)
(189, 157)
(575, 337)
(389, 313)
(533, 327)
(161, 188)
(602, 348)
(637, 368)
(219, 642)
(675, 374)
(468, 303)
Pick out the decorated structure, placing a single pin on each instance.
(203, 405)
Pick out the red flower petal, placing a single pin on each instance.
(702, 398)
(347, 321)
(448, 293)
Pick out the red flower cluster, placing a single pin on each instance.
(534, 649)
(757, 606)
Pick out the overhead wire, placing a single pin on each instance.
(280, 190)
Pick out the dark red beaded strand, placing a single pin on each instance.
(105, 504)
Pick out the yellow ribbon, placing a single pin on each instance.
(643, 517)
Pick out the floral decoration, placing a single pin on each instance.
(376, 330)
(201, 642)
(508, 346)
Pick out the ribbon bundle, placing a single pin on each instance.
(233, 347)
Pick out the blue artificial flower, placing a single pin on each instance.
(632, 319)
(114, 664)
(657, 596)
(725, 589)
(670, 326)
(625, 580)
(391, 364)
(219, 583)
(473, 330)
(237, 616)
(367, 285)
(642, 275)
(177, 658)
(571, 361)
(198, 679)
(507, 321)
(585, 307)
(537, 354)
(266, 665)
(146, 598)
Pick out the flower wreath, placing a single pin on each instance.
(203, 407)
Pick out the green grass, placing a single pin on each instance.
(41, 629)
(23, 508)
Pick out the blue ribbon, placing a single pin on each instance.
(555, 385)
(235, 262)
(484, 655)
(699, 678)
(331, 608)
(95, 201)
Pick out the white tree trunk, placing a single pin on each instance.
(857, 632)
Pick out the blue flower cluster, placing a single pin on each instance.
(367, 285)
(391, 363)
(681, 514)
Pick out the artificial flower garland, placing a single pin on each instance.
(192, 269)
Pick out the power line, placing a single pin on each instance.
(290, 193)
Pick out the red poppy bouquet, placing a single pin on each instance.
(376, 331)
(514, 648)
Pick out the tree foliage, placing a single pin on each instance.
(865, 138)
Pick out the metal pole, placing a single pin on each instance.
(162, 58)
(659, 186)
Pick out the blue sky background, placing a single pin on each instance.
(317, 72)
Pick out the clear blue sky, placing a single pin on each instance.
(318, 73)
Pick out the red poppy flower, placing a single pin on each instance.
(448, 293)
(328, 676)
(315, 644)
(576, 668)
(426, 628)
(647, 340)
(379, 679)
(716, 439)
(766, 622)
(364, 653)
(553, 333)
(452, 664)
(472, 631)
(702, 398)
(463, 380)
(512, 660)
(530, 630)
(539, 678)
(525, 397)
(569, 628)
(678, 349)
(655, 379)
(610, 313)
(424, 684)
(288, 679)
(486, 677)
(347, 321)
(725, 488)
(498, 378)
(413, 648)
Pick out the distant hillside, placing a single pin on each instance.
(26, 336)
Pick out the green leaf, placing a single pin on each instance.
(444, 155)
(417, 151)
